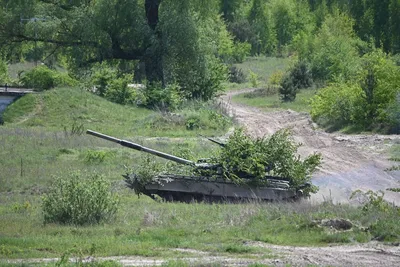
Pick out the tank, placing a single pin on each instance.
(209, 188)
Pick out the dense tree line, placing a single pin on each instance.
(182, 48)
(149, 31)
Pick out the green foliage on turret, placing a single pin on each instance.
(248, 160)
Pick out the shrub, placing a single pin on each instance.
(107, 82)
(275, 156)
(236, 75)
(367, 102)
(97, 156)
(193, 122)
(288, 89)
(118, 91)
(301, 75)
(253, 77)
(276, 78)
(43, 78)
(79, 200)
(336, 104)
(168, 98)
(379, 79)
(100, 79)
(241, 51)
(298, 77)
(393, 112)
(387, 227)
(3, 72)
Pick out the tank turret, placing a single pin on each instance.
(207, 185)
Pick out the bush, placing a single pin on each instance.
(79, 201)
(118, 91)
(43, 78)
(168, 98)
(97, 156)
(107, 82)
(276, 78)
(298, 77)
(288, 89)
(236, 75)
(274, 156)
(368, 102)
(241, 51)
(336, 105)
(4, 78)
(253, 78)
(301, 75)
(393, 112)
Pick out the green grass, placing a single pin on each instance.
(272, 102)
(395, 152)
(148, 228)
(263, 67)
(38, 143)
(65, 108)
(143, 227)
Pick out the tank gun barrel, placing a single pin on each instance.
(141, 148)
(214, 141)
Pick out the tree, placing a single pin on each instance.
(229, 9)
(395, 25)
(284, 17)
(334, 50)
(86, 32)
(261, 23)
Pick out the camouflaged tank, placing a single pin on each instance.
(209, 188)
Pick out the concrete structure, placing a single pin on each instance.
(9, 95)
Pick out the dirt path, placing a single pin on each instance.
(350, 162)
(371, 254)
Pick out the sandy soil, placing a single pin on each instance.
(350, 162)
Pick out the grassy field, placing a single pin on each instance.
(42, 139)
(68, 108)
(268, 102)
(266, 97)
(263, 67)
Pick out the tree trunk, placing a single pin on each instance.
(153, 55)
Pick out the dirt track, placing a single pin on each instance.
(350, 162)
(371, 254)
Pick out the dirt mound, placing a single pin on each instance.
(350, 162)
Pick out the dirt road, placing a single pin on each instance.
(350, 162)
(371, 254)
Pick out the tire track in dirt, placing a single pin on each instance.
(370, 254)
(350, 162)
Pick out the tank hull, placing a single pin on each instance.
(189, 188)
